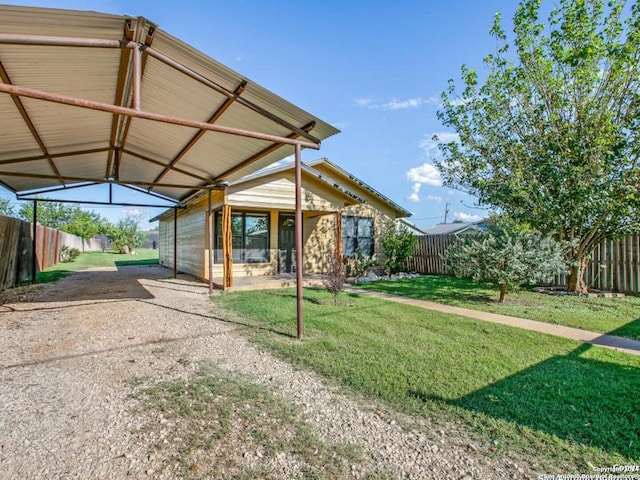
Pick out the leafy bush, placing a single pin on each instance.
(506, 255)
(359, 265)
(397, 244)
(125, 236)
(68, 255)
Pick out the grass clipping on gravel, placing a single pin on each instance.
(557, 403)
(215, 425)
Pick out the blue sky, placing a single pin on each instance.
(375, 70)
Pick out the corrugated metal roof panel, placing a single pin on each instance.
(173, 192)
(216, 153)
(158, 140)
(177, 178)
(15, 137)
(89, 73)
(86, 166)
(133, 168)
(26, 184)
(58, 22)
(229, 79)
(64, 128)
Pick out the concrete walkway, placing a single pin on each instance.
(610, 341)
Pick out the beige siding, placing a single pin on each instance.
(369, 198)
(193, 243)
(278, 192)
(319, 233)
(191, 240)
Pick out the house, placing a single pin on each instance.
(340, 214)
(457, 228)
(151, 240)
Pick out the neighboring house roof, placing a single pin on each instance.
(454, 228)
(410, 226)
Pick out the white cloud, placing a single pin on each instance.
(430, 146)
(456, 102)
(424, 174)
(434, 198)
(415, 193)
(395, 104)
(364, 102)
(466, 217)
(133, 212)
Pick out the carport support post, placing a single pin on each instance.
(175, 242)
(298, 233)
(34, 246)
(210, 229)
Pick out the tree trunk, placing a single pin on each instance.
(575, 283)
(502, 293)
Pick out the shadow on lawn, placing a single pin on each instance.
(573, 397)
(129, 263)
(628, 330)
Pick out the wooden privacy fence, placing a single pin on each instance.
(613, 265)
(16, 247)
(15, 251)
(427, 254)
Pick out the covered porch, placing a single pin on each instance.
(285, 280)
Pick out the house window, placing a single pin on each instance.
(357, 235)
(249, 237)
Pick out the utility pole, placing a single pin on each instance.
(446, 212)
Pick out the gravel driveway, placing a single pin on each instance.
(69, 351)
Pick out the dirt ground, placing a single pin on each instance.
(74, 353)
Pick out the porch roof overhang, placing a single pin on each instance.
(90, 98)
(350, 198)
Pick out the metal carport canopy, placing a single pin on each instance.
(89, 98)
(97, 98)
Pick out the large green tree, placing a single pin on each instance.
(68, 218)
(6, 208)
(551, 136)
(126, 235)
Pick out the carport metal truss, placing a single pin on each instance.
(86, 90)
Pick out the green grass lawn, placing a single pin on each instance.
(556, 401)
(143, 256)
(617, 316)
